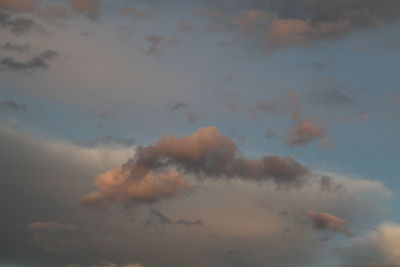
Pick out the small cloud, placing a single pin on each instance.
(157, 43)
(133, 11)
(16, 47)
(19, 25)
(89, 8)
(12, 105)
(329, 222)
(37, 62)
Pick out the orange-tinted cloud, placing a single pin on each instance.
(148, 177)
(120, 185)
(18, 5)
(90, 8)
(304, 133)
(329, 222)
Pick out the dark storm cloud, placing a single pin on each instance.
(37, 62)
(147, 178)
(19, 25)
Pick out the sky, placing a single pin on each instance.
(199, 133)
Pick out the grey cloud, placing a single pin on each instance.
(37, 62)
(12, 105)
(107, 141)
(157, 43)
(16, 47)
(19, 25)
(280, 24)
(177, 105)
(157, 219)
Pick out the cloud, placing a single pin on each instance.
(53, 236)
(37, 62)
(177, 105)
(108, 141)
(12, 105)
(16, 47)
(19, 25)
(305, 130)
(329, 222)
(18, 5)
(331, 97)
(53, 12)
(157, 219)
(379, 247)
(158, 42)
(118, 185)
(280, 24)
(130, 10)
(187, 25)
(304, 133)
(106, 264)
(90, 8)
(205, 153)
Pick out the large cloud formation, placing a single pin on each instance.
(286, 23)
(148, 177)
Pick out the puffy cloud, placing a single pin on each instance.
(18, 5)
(379, 247)
(117, 185)
(329, 222)
(304, 133)
(37, 62)
(204, 153)
(305, 129)
(90, 8)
